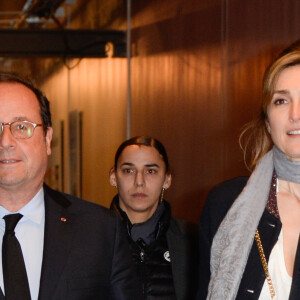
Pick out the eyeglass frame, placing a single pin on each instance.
(24, 121)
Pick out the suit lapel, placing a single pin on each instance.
(59, 229)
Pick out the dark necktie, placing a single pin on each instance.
(14, 272)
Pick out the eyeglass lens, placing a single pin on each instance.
(20, 129)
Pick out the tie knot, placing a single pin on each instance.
(11, 221)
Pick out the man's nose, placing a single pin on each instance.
(6, 138)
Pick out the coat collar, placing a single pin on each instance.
(161, 226)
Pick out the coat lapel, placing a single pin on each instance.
(178, 252)
(59, 229)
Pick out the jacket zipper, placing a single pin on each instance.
(142, 260)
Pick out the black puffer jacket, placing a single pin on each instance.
(165, 266)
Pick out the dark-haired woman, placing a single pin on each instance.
(164, 249)
(250, 246)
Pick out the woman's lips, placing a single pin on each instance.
(139, 195)
(294, 132)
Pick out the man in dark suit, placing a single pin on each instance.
(69, 248)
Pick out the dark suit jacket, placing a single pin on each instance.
(85, 257)
(217, 204)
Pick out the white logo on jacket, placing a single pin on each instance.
(167, 256)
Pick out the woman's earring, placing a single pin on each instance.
(162, 195)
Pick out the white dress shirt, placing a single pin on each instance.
(281, 280)
(30, 234)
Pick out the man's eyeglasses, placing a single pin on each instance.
(20, 129)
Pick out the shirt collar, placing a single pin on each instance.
(34, 210)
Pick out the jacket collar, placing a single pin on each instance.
(161, 226)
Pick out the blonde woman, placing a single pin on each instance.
(250, 227)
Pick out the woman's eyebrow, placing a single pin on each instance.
(152, 165)
(127, 164)
(282, 92)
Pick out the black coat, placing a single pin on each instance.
(181, 239)
(217, 204)
(85, 255)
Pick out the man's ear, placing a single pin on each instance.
(112, 177)
(48, 139)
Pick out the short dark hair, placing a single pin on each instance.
(144, 141)
(42, 99)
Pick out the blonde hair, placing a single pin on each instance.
(255, 139)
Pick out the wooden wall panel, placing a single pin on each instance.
(97, 88)
(56, 90)
(176, 80)
(197, 68)
(197, 79)
(254, 36)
